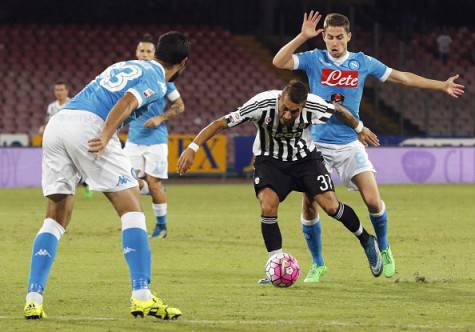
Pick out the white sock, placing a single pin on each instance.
(35, 297)
(159, 210)
(275, 252)
(142, 294)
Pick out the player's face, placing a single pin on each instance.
(145, 51)
(288, 110)
(60, 91)
(336, 39)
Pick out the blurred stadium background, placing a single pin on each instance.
(233, 45)
(214, 254)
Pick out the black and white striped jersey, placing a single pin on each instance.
(286, 143)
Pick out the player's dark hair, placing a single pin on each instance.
(61, 83)
(297, 91)
(172, 47)
(336, 20)
(147, 38)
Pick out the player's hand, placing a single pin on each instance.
(154, 122)
(97, 145)
(186, 160)
(309, 25)
(367, 137)
(453, 89)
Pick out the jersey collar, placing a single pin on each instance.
(159, 66)
(339, 61)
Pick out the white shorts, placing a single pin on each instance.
(149, 159)
(66, 159)
(347, 159)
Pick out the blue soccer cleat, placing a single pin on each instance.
(375, 260)
(160, 231)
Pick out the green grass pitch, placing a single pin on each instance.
(214, 254)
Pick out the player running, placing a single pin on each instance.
(147, 143)
(287, 160)
(339, 75)
(81, 140)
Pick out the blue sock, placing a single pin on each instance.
(313, 236)
(136, 249)
(380, 224)
(160, 211)
(44, 252)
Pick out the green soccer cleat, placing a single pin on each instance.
(153, 307)
(389, 265)
(88, 192)
(315, 273)
(34, 310)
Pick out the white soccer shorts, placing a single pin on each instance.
(66, 159)
(149, 159)
(347, 159)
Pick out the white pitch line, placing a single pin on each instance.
(268, 322)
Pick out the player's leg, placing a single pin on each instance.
(159, 206)
(156, 170)
(137, 253)
(59, 178)
(45, 246)
(347, 216)
(312, 231)
(366, 183)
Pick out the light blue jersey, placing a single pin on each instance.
(138, 134)
(341, 83)
(144, 79)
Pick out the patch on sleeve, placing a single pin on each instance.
(148, 93)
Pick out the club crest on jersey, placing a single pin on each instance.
(340, 78)
(354, 64)
(267, 120)
(148, 93)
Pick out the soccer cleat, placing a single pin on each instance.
(315, 273)
(264, 281)
(88, 192)
(375, 260)
(160, 231)
(389, 266)
(153, 307)
(34, 310)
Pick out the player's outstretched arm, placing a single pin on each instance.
(188, 155)
(449, 86)
(119, 113)
(283, 59)
(365, 135)
(174, 108)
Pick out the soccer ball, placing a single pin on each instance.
(282, 270)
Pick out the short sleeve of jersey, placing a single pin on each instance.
(249, 111)
(377, 69)
(320, 109)
(172, 92)
(147, 90)
(304, 60)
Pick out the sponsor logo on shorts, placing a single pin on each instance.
(257, 180)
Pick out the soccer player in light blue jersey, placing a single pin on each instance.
(147, 143)
(337, 75)
(81, 141)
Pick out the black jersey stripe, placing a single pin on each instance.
(256, 105)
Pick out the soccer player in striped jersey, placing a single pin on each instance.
(286, 159)
(147, 143)
(339, 75)
(81, 140)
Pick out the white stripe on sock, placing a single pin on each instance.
(380, 213)
(51, 226)
(275, 252)
(159, 209)
(359, 231)
(309, 222)
(341, 208)
(133, 220)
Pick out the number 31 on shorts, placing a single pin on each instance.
(325, 182)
